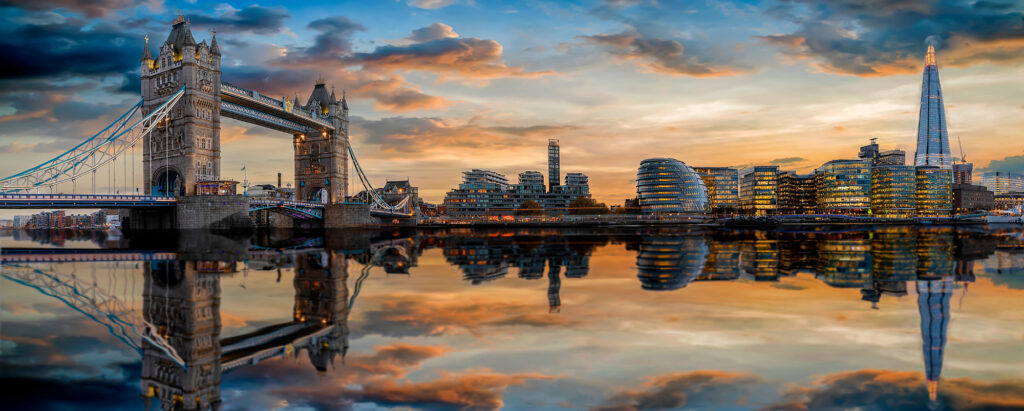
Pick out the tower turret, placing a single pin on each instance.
(214, 47)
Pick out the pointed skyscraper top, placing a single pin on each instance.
(929, 59)
(932, 136)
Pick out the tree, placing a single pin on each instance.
(530, 207)
(586, 205)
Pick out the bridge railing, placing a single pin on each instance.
(273, 102)
(86, 197)
(281, 201)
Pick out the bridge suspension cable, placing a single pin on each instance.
(101, 149)
(375, 199)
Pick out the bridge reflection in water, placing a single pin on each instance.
(184, 361)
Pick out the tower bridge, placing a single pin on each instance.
(178, 139)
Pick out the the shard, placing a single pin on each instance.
(932, 136)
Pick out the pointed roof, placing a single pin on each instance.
(344, 104)
(181, 34)
(333, 98)
(929, 59)
(214, 47)
(146, 54)
(319, 95)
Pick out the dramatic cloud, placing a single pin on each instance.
(432, 32)
(253, 19)
(431, 4)
(90, 8)
(441, 51)
(881, 38)
(1011, 164)
(423, 133)
(67, 48)
(900, 390)
(661, 56)
(787, 160)
(698, 389)
(405, 317)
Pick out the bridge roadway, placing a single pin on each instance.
(24, 201)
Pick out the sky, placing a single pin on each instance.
(436, 87)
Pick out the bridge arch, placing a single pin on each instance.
(167, 181)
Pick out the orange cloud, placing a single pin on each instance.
(409, 316)
(675, 389)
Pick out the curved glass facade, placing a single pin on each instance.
(670, 263)
(844, 187)
(667, 185)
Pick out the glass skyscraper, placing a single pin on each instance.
(932, 136)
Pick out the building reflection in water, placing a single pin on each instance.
(182, 300)
(670, 262)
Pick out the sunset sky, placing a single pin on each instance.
(440, 86)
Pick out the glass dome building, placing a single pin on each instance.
(667, 185)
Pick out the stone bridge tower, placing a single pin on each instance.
(321, 156)
(321, 299)
(182, 300)
(185, 149)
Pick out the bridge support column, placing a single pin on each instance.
(348, 215)
(214, 213)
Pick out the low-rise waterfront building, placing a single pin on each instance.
(759, 187)
(893, 191)
(934, 192)
(667, 185)
(1010, 201)
(969, 198)
(488, 193)
(723, 187)
(844, 187)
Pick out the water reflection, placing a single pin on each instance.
(181, 297)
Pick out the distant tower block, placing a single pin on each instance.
(321, 157)
(554, 174)
(184, 149)
(932, 136)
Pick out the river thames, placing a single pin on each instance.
(614, 319)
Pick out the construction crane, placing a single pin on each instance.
(963, 157)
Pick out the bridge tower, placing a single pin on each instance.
(321, 156)
(183, 303)
(185, 148)
(321, 297)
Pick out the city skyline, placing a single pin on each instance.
(610, 83)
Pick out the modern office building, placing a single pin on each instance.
(969, 198)
(1001, 182)
(869, 152)
(554, 160)
(844, 187)
(667, 185)
(893, 191)
(895, 157)
(934, 192)
(932, 135)
(962, 173)
(796, 193)
(759, 187)
(1010, 201)
(670, 263)
(723, 185)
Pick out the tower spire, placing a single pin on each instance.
(214, 48)
(932, 135)
(929, 59)
(146, 55)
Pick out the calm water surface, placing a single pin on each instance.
(885, 318)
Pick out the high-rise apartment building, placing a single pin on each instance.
(759, 186)
(723, 185)
(554, 160)
(932, 135)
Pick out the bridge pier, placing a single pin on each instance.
(348, 215)
(195, 213)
